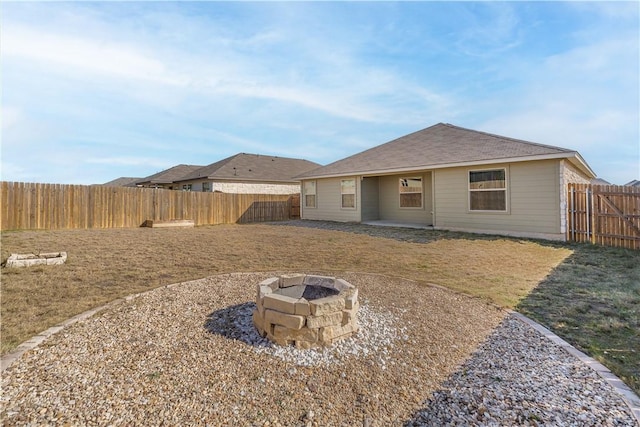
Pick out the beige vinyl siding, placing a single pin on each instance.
(389, 203)
(370, 199)
(329, 202)
(533, 200)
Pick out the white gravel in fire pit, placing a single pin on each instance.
(188, 355)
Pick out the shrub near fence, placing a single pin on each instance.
(30, 206)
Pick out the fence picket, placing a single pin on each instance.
(56, 206)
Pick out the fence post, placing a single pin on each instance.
(588, 222)
(572, 214)
(592, 219)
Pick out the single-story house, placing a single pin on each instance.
(166, 178)
(452, 178)
(248, 174)
(633, 183)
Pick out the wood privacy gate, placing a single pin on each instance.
(607, 215)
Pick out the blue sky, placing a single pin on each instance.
(92, 91)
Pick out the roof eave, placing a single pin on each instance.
(582, 165)
(571, 154)
(241, 179)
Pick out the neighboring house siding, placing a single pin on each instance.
(370, 200)
(244, 187)
(533, 201)
(195, 186)
(329, 200)
(568, 175)
(389, 204)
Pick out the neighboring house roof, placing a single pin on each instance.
(634, 183)
(600, 181)
(123, 181)
(253, 167)
(444, 145)
(168, 176)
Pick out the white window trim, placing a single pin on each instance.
(421, 192)
(355, 191)
(505, 189)
(304, 195)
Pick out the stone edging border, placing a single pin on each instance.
(631, 399)
(9, 358)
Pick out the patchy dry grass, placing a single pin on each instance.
(592, 300)
(104, 265)
(588, 295)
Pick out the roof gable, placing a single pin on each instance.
(438, 146)
(253, 167)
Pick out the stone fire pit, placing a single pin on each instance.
(305, 310)
(29, 260)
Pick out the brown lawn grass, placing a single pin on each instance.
(104, 265)
(592, 300)
(588, 295)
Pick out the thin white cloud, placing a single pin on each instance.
(354, 93)
(11, 116)
(84, 55)
(328, 80)
(492, 28)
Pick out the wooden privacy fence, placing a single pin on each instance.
(607, 215)
(28, 206)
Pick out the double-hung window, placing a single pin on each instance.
(348, 192)
(488, 190)
(309, 194)
(411, 192)
(206, 186)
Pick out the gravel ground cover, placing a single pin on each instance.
(187, 355)
(517, 377)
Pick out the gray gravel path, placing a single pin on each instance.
(186, 355)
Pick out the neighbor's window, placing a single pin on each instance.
(348, 191)
(186, 187)
(309, 194)
(488, 190)
(206, 187)
(411, 192)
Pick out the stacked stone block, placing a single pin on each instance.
(285, 317)
(28, 260)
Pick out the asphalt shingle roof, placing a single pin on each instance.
(123, 181)
(440, 144)
(253, 167)
(170, 175)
